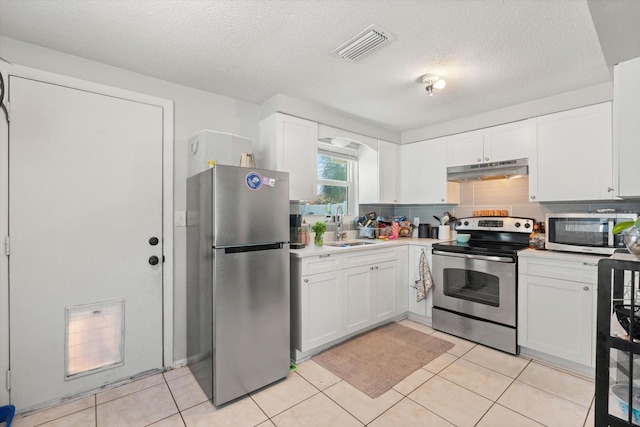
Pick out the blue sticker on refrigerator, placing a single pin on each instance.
(254, 180)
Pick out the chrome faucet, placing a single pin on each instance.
(339, 215)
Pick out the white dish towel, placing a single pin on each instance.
(424, 281)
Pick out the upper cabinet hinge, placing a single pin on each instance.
(7, 245)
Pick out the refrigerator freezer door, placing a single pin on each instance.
(251, 206)
(251, 320)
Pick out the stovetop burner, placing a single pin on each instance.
(491, 236)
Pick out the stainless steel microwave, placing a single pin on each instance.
(585, 232)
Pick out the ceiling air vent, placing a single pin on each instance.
(372, 38)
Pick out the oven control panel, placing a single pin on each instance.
(497, 223)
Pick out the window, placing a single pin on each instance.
(336, 172)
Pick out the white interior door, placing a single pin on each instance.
(85, 198)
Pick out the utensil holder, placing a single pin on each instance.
(444, 232)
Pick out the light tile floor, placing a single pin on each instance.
(470, 385)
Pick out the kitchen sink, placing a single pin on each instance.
(348, 244)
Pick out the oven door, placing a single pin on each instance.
(476, 285)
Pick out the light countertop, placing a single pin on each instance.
(312, 250)
(569, 256)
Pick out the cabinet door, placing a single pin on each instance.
(506, 142)
(626, 128)
(321, 309)
(465, 148)
(377, 172)
(424, 173)
(573, 158)
(289, 144)
(356, 297)
(299, 157)
(556, 317)
(385, 286)
(387, 172)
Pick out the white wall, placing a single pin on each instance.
(194, 110)
(539, 107)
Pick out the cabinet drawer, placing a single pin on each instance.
(369, 256)
(577, 271)
(321, 264)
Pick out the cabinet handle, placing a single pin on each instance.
(609, 189)
(486, 159)
(370, 268)
(479, 159)
(324, 256)
(376, 267)
(585, 288)
(306, 280)
(442, 200)
(590, 263)
(533, 197)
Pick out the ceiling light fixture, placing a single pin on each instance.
(433, 81)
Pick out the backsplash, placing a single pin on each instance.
(511, 195)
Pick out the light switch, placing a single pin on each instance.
(180, 218)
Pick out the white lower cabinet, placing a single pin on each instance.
(418, 310)
(369, 295)
(321, 309)
(557, 307)
(337, 295)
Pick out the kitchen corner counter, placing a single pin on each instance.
(312, 250)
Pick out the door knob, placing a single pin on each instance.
(153, 241)
(153, 260)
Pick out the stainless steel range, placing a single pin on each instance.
(475, 283)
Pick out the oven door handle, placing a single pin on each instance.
(478, 257)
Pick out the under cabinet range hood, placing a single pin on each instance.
(486, 171)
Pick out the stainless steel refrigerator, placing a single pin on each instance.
(237, 279)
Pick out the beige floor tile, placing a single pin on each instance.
(83, 418)
(317, 411)
(267, 423)
(417, 326)
(55, 412)
(560, 383)
(359, 404)
(284, 394)
(186, 391)
(241, 413)
(440, 362)
(476, 378)
(408, 413)
(177, 372)
(498, 361)
(460, 346)
(542, 406)
(452, 402)
(140, 408)
(499, 416)
(316, 374)
(591, 418)
(413, 381)
(129, 388)
(172, 421)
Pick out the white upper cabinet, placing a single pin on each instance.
(573, 157)
(290, 144)
(423, 176)
(626, 128)
(497, 143)
(377, 171)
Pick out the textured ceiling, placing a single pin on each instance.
(492, 53)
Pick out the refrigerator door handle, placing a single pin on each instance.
(253, 248)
